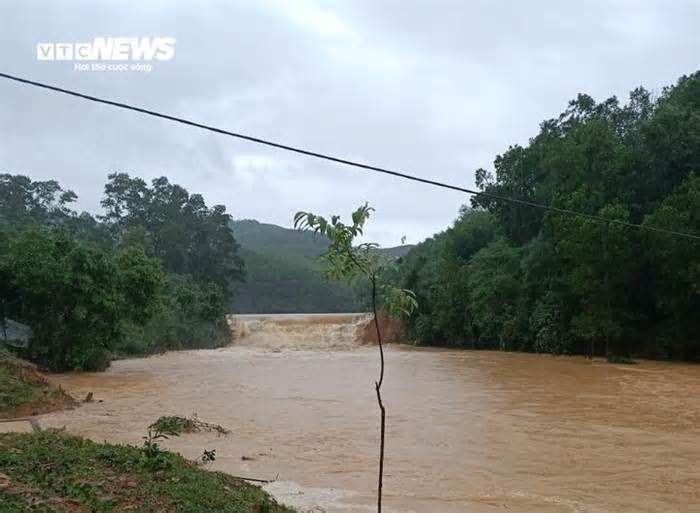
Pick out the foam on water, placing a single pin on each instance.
(299, 332)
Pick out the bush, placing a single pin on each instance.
(75, 296)
(189, 316)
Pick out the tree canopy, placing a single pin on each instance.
(155, 272)
(512, 277)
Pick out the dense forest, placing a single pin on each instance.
(155, 271)
(511, 277)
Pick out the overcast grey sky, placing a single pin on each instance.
(435, 88)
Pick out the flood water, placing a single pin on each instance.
(466, 431)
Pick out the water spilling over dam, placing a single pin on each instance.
(467, 431)
(298, 332)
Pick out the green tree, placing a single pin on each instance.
(188, 315)
(494, 295)
(75, 296)
(345, 260)
(677, 266)
(603, 265)
(176, 227)
(23, 200)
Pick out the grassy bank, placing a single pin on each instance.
(52, 472)
(24, 391)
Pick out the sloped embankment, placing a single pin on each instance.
(366, 331)
(52, 471)
(24, 391)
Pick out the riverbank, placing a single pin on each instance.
(24, 391)
(52, 471)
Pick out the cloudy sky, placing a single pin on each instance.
(434, 88)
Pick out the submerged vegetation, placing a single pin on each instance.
(52, 472)
(176, 424)
(511, 277)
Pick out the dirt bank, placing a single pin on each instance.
(24, 391)
(366, 331)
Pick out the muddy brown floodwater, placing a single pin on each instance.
(467, 431)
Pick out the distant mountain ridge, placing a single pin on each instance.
(284, 274)
(257, 236)
(252, 234)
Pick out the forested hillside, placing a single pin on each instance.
(284, 275)
(512, 277)
(270, 238)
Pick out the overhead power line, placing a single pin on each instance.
(338, 160)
